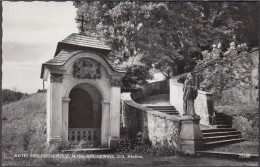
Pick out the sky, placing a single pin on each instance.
(31, 31)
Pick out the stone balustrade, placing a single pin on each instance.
(138, 118)
(89, 135)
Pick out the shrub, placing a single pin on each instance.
(24, 126)
(221, 71)
(12, 96)
(244, 118)
(142, 145)
(24, 131)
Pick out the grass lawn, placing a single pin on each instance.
(24, 126)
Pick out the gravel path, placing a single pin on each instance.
(241, 147)
(180, 161)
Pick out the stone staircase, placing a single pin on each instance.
(220, 134)
(171, 110)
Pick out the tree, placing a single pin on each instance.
(160, 32)
(223, 70)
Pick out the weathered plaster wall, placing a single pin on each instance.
(48, 107)
(101, 89)
(203, 104)
(137, 118)
(68, 79)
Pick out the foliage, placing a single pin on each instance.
(11, 95)
(168, 35)
(142, 144)
(223, 70)
(24, 132)
(136, 75)
(244, 118)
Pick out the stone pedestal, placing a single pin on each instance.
(190, 135)
(114, 143)
(55, 140)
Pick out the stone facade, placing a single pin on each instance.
(159, 126)
(183, 132)
(89, 72)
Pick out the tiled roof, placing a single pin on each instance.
(62, 57)
(66, 54)
(85, 41)
(76, 43)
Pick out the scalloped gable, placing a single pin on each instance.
(76, 43)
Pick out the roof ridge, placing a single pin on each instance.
(85, 41)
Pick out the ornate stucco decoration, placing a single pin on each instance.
(56, 78)
(116, 82)
(86, 68)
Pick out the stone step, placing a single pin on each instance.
(221, 122)
(165, 109)
(220, 126)
(219, 118)
(218, 130)
(209, 134)
(218, 138)
(222, 142)
(168, 111)
(171, 113)
(223, 126)
(162, 107)
(229, 155)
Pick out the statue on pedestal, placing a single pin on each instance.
(190, 93)
(190, 134)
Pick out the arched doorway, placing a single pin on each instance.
(84, 121)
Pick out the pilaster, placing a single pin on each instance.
(105, 124)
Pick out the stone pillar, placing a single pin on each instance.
(55, 135)
(65, 119)
(105, 124)
(190, 134)
(115, 93)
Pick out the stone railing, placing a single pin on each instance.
(159, 87)
(89, 135)
(138, 118)
(203, 104)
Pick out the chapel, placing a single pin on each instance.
(83, 93)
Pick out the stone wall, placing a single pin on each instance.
(160, 87)
(203, 103)
(137, 118)
(235, 96)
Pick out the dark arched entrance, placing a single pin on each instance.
(80, 109)
(84, 122)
